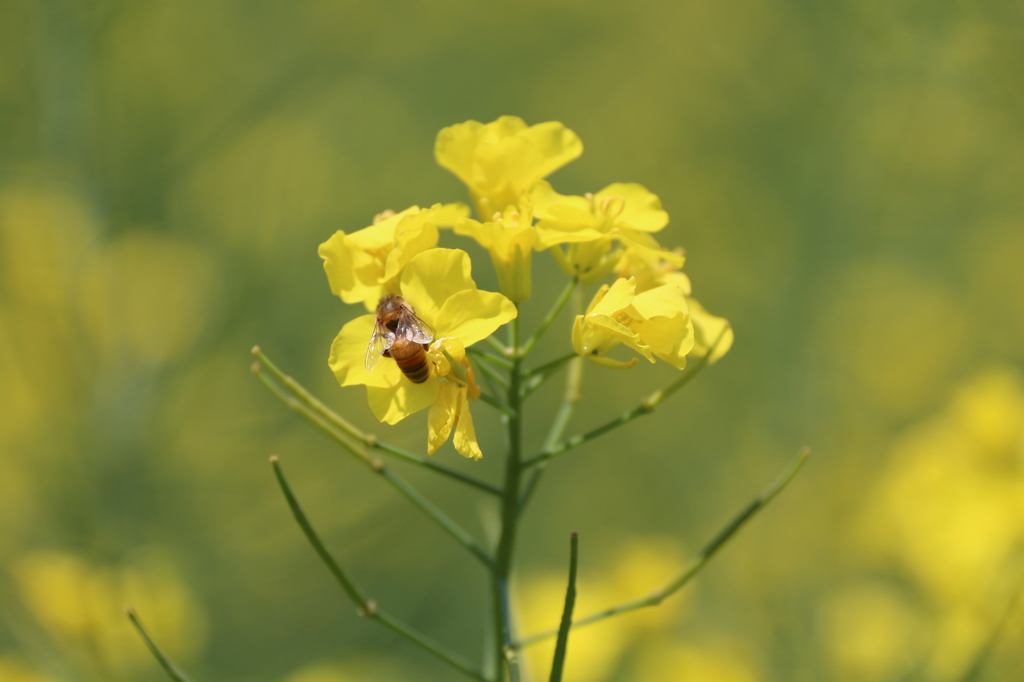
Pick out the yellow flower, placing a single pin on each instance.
(364, 265)
(709, 330)
(499, 161)
(622, 212)
(652, 269)
(438, 285)
(510, 238)
(655, 323)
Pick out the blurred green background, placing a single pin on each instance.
(846, 178)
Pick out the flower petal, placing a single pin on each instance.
(483, 233)
(642, 210)
(393, 404)
(465, 435)
(351, 273)
(613, 364)
(617, 297)
(663, 321)
(348, 357)
(455, 147)
(473, 315)
(706, 330)
(666, 300)
(442, 416)
(446, 215)
(414, 235)
(432, 277)
(556, 146)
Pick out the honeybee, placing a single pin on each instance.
(399, 334)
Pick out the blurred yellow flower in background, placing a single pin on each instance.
(364, 265)
(948, 511)
(349, 671)
(146, 298)
(438, 285)
(499, 161)
(82, 604)
(871, 631)
(14, 671)
(705, 660)
(638, 566)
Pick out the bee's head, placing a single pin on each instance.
(389, 305)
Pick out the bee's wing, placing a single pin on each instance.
(413, 328)
(380, 341)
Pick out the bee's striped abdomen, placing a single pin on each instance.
(411, 359)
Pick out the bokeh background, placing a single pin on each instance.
(846, 178)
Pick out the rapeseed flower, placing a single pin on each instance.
(437, 283)
(653, 269)
(624, 213)
(655, 323)
(364, 265)
(510, 237)
(499, 161)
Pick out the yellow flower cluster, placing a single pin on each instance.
(504, 165)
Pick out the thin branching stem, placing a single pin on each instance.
(646, 406)
(501, 362)
(364, 605)
(496, 345)
(493, 402)
(549, 367)
(562, 643)
(297, 391)
(539, 376)
(172, 670)
(698, 562)
(550, 317)
(493, 375)
(382, 470)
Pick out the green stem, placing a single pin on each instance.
(172, 670)
(500, 361)
(646, 406)
(314, 405)
(539, 376)
(493, 402)
(698, 562)
(493, 375)
(549, 367)
(562, 643)
(570, 399)
(550, 317)
(509, 515)
(365, 606)
(381, 469)
(496, 345)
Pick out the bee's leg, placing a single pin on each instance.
(387, 353)
(426, 346)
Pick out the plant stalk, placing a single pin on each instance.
(698, 562)
(365, 606)
(501, 575)
(297, 391)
